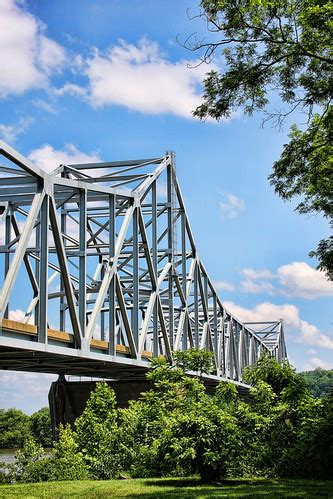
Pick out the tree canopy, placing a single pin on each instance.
(178, 429)
(278, 47)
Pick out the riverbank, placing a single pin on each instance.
(170, 487)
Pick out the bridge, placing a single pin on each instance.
(101, 273)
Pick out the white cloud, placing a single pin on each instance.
(47, 158)
(223, 286)
(231, 206)
(9, 133)
(18, 316)
(257, 274)
(311, 351)
(44, 106)
(301, 280)
(26, 391)
(315, 362)
(27, 56)
(71, 89)
(296, 279)
(301, 330)
(142, 79)
(249, 286)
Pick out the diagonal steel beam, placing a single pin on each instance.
(20, 251)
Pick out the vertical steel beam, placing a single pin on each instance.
(170, 187)
(111, 290)
(8, 227)
(196, 306)
(135, 309)
(82, 259)
(184, 273)
(155, 263)
(43, 272)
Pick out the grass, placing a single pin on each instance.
(170, 488)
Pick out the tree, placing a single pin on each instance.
(41, 428)
(14, 428)
(97, 433)
(319, 381)
(283, 46)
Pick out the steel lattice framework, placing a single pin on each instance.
(102, 260)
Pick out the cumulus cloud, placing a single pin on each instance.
(224, 286)
(70, 89)
(47, 158)
(301, 280)
(230, 206)
(44, 106)
(257, 274)
(14, 393)
(295, 327)
(296, 279)
(140, 78)
(9, 133)
(18, 316)
(249, 286)
(315, 362)
(27, 55)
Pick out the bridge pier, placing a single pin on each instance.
(67, 399)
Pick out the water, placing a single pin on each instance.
(7, 455)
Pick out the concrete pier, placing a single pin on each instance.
(67, 399)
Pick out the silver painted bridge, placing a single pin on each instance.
(100, 273)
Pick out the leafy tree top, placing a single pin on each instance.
(280, 48)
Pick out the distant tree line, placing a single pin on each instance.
(177, 429)
(16, 427)
(319, 381)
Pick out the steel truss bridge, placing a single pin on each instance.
(101, 273)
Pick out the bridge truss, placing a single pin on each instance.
(101, 273)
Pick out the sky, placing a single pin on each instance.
(111, 80)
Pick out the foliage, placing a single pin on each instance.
(177, 429)
(33, 465)
(293, 429)
(319, 381)
(14, 428)
(279, 47)
(97, 433)
(305, 168)
(30, 464)
(194, 359)
(283, 378)
(41, 428)
(66, 461)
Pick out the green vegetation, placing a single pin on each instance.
(16, 427)
(177, 430)
(278, 48)
(171, 487)
(319, 381)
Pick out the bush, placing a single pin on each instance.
(97, 433)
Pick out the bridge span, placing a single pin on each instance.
(100, 273)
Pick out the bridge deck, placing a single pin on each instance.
(59, 356)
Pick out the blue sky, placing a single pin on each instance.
(108, 80)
